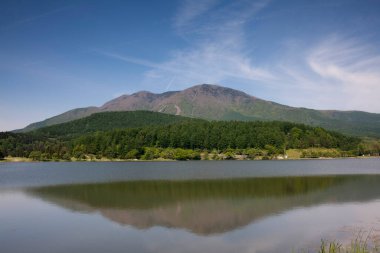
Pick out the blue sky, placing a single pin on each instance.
(60, 55)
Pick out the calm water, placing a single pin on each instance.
(247, 206)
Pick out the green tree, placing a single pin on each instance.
(35, 155)
(79, 151)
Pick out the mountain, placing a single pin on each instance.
(214, 102)
(61, 118)
(104, 121)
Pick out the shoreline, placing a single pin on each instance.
(29, 160)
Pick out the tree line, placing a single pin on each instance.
(183, 140)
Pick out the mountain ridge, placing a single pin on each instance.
(214, 102)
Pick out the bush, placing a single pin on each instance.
(45, 157)
(55, 157)
(35, 155)
(150, 154)
(132, 154)
(229, 155)
(252, 153)
(66, 157)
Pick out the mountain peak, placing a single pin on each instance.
(217, 91)
(142, 93)
(208, 87)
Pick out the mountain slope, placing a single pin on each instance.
(105, 121)
(61, 118)
(220, 103)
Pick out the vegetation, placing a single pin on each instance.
(106, 121)
(221, 135)
(359, 245)
(148, 135)
(363, 243)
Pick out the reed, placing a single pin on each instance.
(359, 245)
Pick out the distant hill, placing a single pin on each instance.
(61, 118)
(214, 102)
(105, 121)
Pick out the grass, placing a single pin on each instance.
(355, 247)
(16, 159)
(294, 153)
(361, 244)
(364, 242)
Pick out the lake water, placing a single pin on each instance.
(201, 206)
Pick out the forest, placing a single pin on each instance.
(169, 137)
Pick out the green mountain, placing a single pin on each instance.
(105, 121)
(214, 102)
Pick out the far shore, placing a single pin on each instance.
(29, 160)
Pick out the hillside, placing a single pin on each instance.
(105, 121)
(61, 118)
(214, 102)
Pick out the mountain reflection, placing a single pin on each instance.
(207, 206)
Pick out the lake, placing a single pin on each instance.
(195, 206)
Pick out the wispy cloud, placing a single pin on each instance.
(170, 83)
(353, 68)
(209, 62)
(349, 61)
(338, 72)
(217, 50)
(210, 19)
(189, 11)
(217, 46)
(134, 60)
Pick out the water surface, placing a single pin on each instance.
(250, 206)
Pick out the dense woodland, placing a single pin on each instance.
(106, 121)
(147, 135)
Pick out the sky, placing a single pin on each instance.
(60, 55)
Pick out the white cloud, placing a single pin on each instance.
(353, 68)
(337, 73)
(346, 60)
(208, 63)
